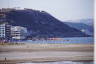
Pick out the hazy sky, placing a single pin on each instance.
(61, 9)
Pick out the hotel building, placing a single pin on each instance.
(18, 32)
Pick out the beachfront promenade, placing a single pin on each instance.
(46, 52)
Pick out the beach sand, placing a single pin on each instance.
(46, 52)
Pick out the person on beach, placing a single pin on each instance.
(5, 59)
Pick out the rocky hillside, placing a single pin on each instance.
(41, 24)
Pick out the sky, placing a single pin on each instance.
(61, 9)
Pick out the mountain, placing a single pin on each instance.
(41, 24)
(85, 25)
(89, 22)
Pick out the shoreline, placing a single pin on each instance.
(44, 60)
(30, 61)
(47, 47)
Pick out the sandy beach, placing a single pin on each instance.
(46, 52)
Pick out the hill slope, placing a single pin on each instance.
(84, 24)
(42, 24)
(81, 26)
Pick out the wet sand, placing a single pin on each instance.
(46, 52)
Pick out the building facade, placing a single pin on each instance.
(5, 31)
(18, 32)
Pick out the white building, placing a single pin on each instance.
(2, 30)
(5, 31)
(18, 32)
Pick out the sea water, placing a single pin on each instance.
(85, 40)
